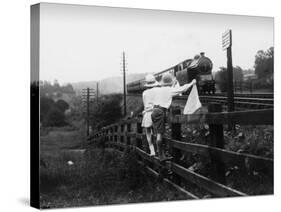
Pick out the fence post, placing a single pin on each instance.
(115, 133)
(139, 131)
(125, 130)
(175, 134)
(134, 130)
(104, 140)
(216, 134)
(139, 141)
(122, 133)
(128, 138)
(111, 133)
(119, 135)
(251, 86)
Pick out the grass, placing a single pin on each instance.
(96, 177)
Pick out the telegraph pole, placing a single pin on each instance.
(88, 94)
(124, 84)
(88, 112)
(97, 92)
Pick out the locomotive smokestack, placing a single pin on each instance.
(202, 54)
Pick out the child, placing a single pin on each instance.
(176, 84)
(148, 99)
(162, 101)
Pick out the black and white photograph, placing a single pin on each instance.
(141, 105)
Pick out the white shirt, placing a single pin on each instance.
(176, 85)
(148, 99)
(163, 95)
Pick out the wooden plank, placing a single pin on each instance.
(155, 174)
(250, 117)
(259, 117)
(240, 158)
(226, 155)
(206, 183)
(143, 154)
(117, 144)
(131, 134)
(190, 147)
(146, 156)
(190, 195)
(180, 189)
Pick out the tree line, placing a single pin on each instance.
(52, 113)
(55, 89)
(262, 74)
(107, 110)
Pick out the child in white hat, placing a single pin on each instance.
(148, 102)
(162, 101)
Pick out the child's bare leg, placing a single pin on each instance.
(148, 133)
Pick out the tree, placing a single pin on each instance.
(55, 117)
(221, 77)
(107, 111)
(111, 110)
(45, 105)
(62, 105)
(237, 74)
(67, 89)
(264, 64)
(55, 89)
(51, 113)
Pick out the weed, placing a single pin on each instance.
(95, 177)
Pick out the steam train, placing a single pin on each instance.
(199, 68)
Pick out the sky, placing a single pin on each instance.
(85, 43)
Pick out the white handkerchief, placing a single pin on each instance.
(193, 103)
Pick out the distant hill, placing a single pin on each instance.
(107, 85)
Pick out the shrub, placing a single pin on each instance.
(54, 117)
(62, 105)
(52, 113)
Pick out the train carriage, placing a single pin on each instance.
(199, 68)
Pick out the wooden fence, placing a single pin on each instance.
(128, 134)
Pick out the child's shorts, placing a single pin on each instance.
(158, 117)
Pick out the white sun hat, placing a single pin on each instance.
(150, 81)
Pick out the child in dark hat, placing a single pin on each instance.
(162, 102)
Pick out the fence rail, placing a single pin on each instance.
(129, 134)
(255, 117)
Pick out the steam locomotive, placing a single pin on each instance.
(199, 68)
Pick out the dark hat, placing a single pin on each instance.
(167, 79)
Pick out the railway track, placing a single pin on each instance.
(241, 101)
(245, 95)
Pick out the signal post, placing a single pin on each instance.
(226, 45)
